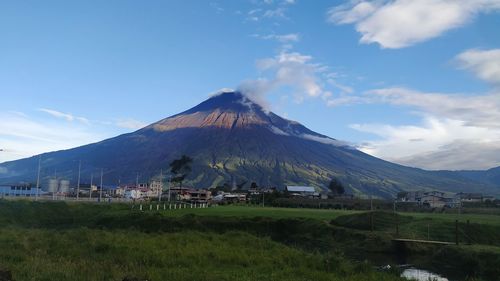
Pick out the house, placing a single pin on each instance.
(134, 193)
(235, 197)
(432, 199)
(20, 191)
(409, 196)
(470, 197)
(200, 196)
(179, 193)
(303, 191)
(155, 188)
(230, 197)
(488, 198)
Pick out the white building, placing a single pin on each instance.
(20, 191)
(304, 191)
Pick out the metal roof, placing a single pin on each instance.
(300, 189)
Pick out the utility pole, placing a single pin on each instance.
(38, 178)
(137, 181)
(371, 211)
(78, 184)
(100, 191)
(169, 184)
(57, 185)
(161, 186)
(263, 195)
(91, 183)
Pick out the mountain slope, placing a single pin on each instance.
(234, 140)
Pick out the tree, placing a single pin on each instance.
(180, 168)
(336, 187)
(254, 186)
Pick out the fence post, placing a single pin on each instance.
(456, 232)
(371, 221)
(428, 231)
(467, 233)
(396, 219)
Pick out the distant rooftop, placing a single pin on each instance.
(293, 188)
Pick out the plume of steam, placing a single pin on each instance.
(287, 69)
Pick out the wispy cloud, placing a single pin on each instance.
(23, 136)
(300, 75)
(282, 38)
(216, 6)
(457, 130)
(67, 116)
(286, 69)
(436, 143)
(130, 124)
(269, 9)
(402, 23)
(485, 64)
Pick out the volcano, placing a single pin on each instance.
(235, 141)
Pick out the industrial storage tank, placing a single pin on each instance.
(64, 186)
(53, 185)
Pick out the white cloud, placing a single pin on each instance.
(67, 116)
(485, 64)
(283, 38)
(459, 155)
(457, 131)
(275, 13)
(286, 69)
(270, 10)
(325, 140)
(402, 23)
(474, 110)
(22, 136)
(130, 124)
(437, 143)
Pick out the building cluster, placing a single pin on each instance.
(438, 199)
(19, 190)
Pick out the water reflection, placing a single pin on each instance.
(421, 275)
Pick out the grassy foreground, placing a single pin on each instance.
(68, 241)
(85, 254)
(58, 241)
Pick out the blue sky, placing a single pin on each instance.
(415, 82)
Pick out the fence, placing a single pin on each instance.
(432, 228)
(170, 206)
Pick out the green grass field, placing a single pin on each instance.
(322, 214)
(253, 211)
(59, 241)
(83, 241)
(86, 254)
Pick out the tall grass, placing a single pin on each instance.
(91, 254)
